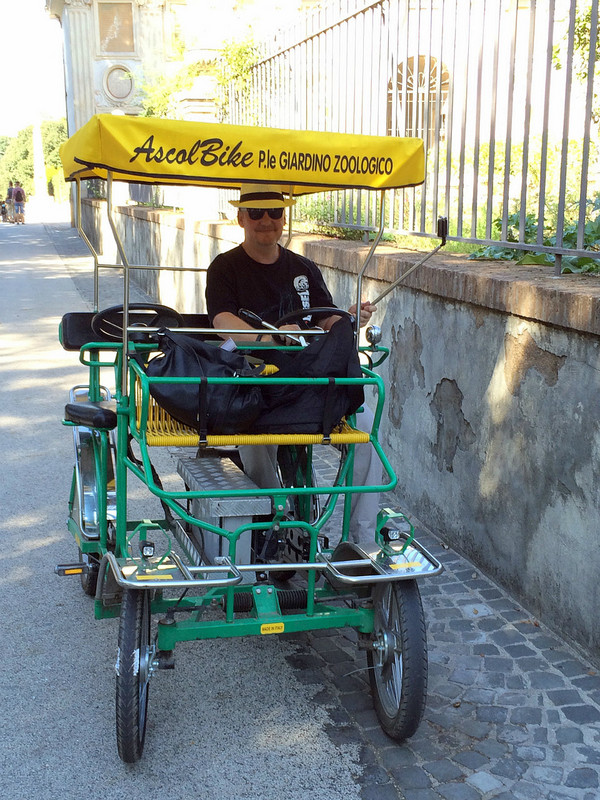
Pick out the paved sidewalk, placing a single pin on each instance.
(513, 712)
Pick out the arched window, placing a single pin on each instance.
(417, 102)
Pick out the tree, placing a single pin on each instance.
(582, 31)
(16, 158)
(581, 53)
(235, 77)
(4, 142)
(17, 162)
(161, 93)
(54, 133)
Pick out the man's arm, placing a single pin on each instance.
(229, 321)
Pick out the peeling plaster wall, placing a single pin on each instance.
(495, 430)
(492, 421)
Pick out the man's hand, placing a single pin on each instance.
(285, 339)
(366, 311)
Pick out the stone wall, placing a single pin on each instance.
(492, 420)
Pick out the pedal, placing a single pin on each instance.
(71, 569)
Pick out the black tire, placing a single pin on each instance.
(133, 673)
(398, 665)
(89, 581)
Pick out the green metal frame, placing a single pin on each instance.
(203, 587)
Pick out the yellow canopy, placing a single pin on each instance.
(151, 150)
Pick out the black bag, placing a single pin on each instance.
(208, 408)
(314, 409)
(19, 196)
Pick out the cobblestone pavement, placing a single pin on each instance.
(513, 713)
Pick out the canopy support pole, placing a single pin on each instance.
(89, 245)
(367, 261)
(125, 263)
(290, 233)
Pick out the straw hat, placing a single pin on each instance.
(262, 195)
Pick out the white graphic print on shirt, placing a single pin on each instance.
(301, 286)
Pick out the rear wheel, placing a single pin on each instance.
(398, 661)
(133, 667)
(89, 579)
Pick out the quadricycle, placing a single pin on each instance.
(223, 557)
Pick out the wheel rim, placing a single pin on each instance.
(388, 653)
(134, 669)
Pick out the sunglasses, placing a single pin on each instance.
(257, 213)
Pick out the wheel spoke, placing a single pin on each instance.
(133, 673)
(398, 673)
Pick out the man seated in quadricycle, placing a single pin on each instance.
(267, 279)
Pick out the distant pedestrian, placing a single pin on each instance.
(10, 202)
(19, 201)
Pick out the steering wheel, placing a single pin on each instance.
(300, 313)
(109, 322)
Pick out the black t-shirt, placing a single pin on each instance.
(234, 281)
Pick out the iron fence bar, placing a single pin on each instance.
(589, 96)
(450, 134)
(566, 125)
(404, 116)
(424, 123)
(527, 123)
(474, 66)
(509, 116)
(336, 73)
(461, 170)
(438, 121)
(545, 125)
(320, 30)
(476, 145)
(492, 142)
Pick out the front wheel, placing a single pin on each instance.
(398, 661)
(133, 667)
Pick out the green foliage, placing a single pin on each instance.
(591, 241)
(4, 142)
(581, 52)
(234, 78)
(16, 158)
(17, 162)
(54, 133)
(161, 92)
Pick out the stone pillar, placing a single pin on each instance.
(78, 30)
(151, 45)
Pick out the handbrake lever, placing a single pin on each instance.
(250, 316)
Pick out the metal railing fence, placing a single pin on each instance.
(504, 94)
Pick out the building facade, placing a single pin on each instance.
(112, 48)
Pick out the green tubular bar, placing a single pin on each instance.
(170, 633)
(145, 475)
